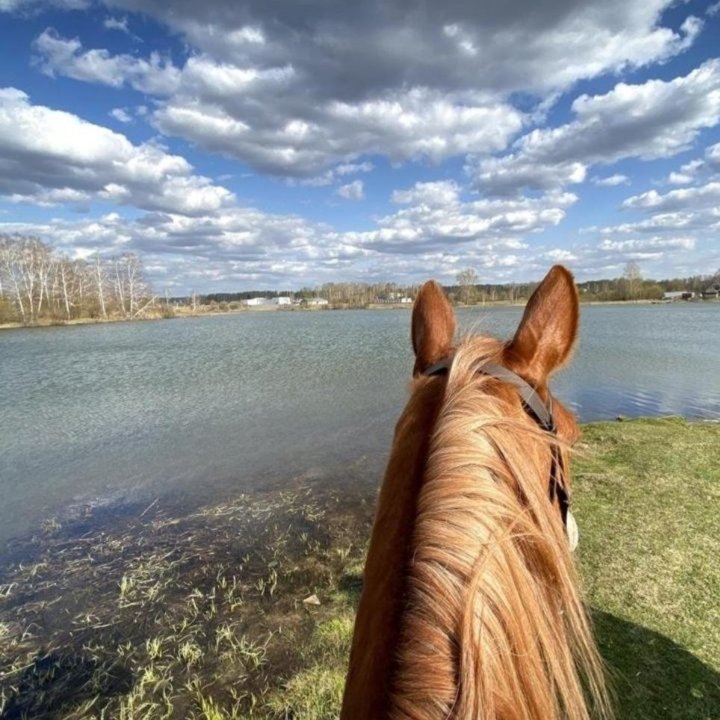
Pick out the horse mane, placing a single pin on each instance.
(492, 625)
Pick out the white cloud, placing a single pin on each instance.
(352, 191)
(462, 45)
(56, 55)
(252, 113)
(651, 120)
(296, 93)
(314, 96)
(242, 247)
(413, 124)
(431, 233)
(688, 198)
(119, 24)
(437, 219)
(334, 174)
(40, 158)
(611, 180)
(691, 171)
(432, 194)
(13, 6)
(643, 246)
(121, 115)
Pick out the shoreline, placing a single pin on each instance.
(47, 323)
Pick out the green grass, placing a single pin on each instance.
(201, 614)
(647, 498)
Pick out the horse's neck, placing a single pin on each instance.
(381, 604)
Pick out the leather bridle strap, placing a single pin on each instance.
(537, 409)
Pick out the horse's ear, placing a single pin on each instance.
(433, 326)
(546, 335)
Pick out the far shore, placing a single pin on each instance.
(188, 313)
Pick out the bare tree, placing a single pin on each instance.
(100, 277)
(10, 264)
(132, 291)
(467, 279)
(64, 267)
(632, 278)
(37, 282)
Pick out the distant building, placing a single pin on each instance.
(394, 298)
(712, 292)
(317, 301)
(282, 300)
(678, 295)
(252, 302)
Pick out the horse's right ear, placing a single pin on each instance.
(433, 326)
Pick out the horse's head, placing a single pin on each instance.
(470, 607)
(542, 344)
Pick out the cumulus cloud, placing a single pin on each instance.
(294, 92)
(679, 227)
(458, 45)
(695, 169)
(314, 94)
(647, 246)
(651, 120)
(41, 158)
(611, 180)
(437, 218)
(56, 55)
(657, 257)
(334, 174)
(694, 198)
(121, 115)
(119, 24)
(243, 247)
(254, 114)
(435, 231)
(305, 140)
(352, 191)
(14, 6)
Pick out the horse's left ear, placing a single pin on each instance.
(433, 326)
(546, 335)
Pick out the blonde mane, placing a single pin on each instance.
(492, 625)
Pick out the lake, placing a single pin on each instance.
(198, 409)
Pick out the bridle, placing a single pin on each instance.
(542, 414)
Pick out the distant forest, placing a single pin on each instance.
(630, 286)
(38, 284)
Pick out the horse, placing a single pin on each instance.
(470, 607)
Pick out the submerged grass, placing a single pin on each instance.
(245, 609)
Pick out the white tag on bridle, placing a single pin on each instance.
(572, 532)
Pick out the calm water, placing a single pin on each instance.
(202, 407)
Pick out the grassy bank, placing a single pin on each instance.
(244, 610)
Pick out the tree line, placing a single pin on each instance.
(629, 286)
(341, 294)
(38, 283)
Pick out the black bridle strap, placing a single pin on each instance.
(541, 412)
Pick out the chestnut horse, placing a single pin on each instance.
(470, 606)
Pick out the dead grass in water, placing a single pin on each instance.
(191, 616)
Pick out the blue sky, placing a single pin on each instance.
(276, 144)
